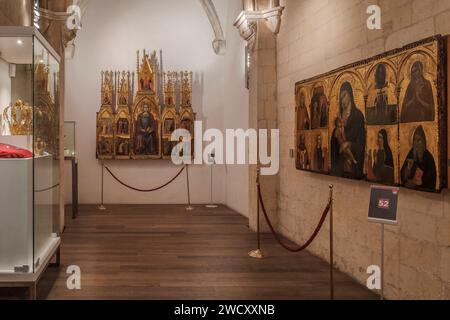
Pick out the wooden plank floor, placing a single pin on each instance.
(165, 252)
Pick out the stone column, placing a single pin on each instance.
(258, 24)
(263, 115)
(16, 13)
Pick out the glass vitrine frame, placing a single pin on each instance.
(70, 145)
(39, 234)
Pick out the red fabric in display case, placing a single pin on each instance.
(10, 152)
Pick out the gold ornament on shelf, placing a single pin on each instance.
(39, 147)
(19, 118)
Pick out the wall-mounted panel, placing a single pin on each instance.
(382, 119)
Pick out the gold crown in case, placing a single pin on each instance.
(19, 118)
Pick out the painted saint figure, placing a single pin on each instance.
(320, 156)
(168, 147)
(105, 147)
(319, 109)
(348, 142)
(381, 161)
(169, 126)
(302, 112)
(122, 126)
(382, 113)
(186, 124)
(303, 162)
(419, 168)
(418, 104)
(123, 147)
(145, 135)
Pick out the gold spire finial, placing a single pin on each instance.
(186, 89)
(146, 76)
(107, 88)
(169, 88)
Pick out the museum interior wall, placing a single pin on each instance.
(112, 33)
(236, 112)
(317, 36)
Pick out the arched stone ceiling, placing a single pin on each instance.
(218, 44)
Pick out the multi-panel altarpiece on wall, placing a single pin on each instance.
(381, 119)
(139, 125)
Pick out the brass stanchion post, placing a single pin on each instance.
(331, 245)
(189, 208)
(211, 204)
(102, 206)
(382, 263)
(257, 254)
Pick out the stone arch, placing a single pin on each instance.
(219, 42)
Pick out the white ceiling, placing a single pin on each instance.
(12, 52)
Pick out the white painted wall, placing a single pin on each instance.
(237, 109)
(112, 32)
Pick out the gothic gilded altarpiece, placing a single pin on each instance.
(139, 125)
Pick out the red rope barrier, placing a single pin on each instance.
(47, 189)
(144, 190)
(277, 237)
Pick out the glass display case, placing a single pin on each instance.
(70, 154)
(29, 151)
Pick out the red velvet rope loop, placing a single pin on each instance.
(144, 190)
(47, 189)
(277, 237)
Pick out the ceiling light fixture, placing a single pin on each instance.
(19, 42)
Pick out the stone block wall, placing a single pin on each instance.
(317, 36)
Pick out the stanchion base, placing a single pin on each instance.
(211, 206)
(257, 254)
(102, 208)
(190, 208)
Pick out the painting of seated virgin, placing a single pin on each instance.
(418, 104)
(146, 137)
(383, 109)
(348, 140)
(419, 169)
(319, 109)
